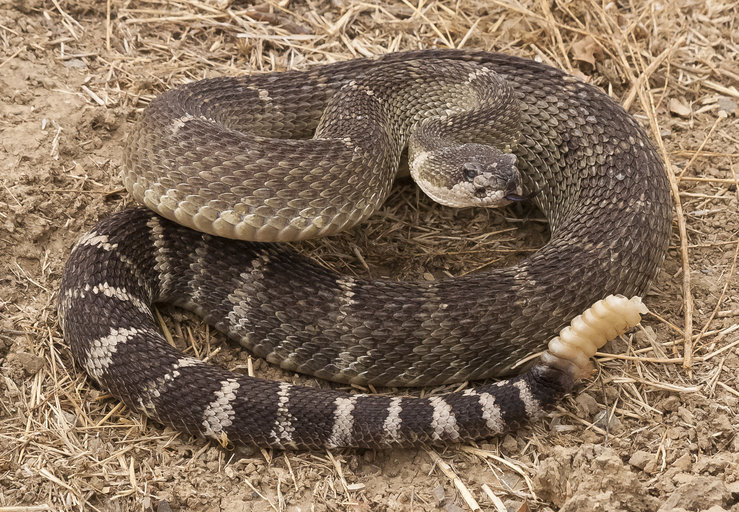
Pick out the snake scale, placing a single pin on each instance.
(600, 184)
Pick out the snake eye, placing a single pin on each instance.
(469, 170)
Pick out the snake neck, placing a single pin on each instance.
(458, 147)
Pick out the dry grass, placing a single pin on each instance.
(66, 446)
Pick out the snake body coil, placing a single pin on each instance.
(603, 190)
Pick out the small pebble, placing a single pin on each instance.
(680, 108)
(727, 105)
(607, 422)
(75, 63)
(438, 493)
(640, 458)
(587, 404)
(30, 363)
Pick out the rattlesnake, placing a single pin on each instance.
(596, 176)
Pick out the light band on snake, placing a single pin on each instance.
(234, 157)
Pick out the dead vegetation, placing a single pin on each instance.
(656, 427)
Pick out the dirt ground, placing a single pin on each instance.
(656, 429)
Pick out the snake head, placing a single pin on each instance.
(467, 175)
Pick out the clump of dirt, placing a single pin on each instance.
(593, 478)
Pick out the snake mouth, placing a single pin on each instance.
(514, 198)
(517, 198)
